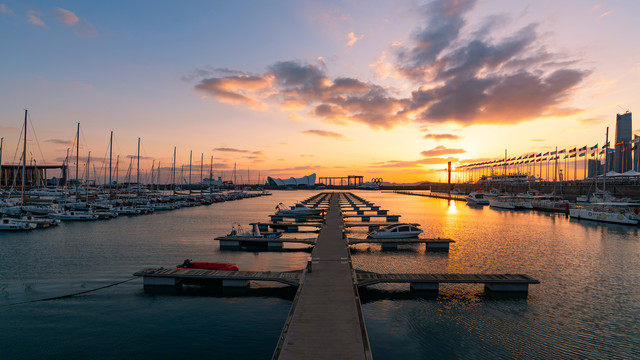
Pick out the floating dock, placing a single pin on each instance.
(173, 277)
(326, 320)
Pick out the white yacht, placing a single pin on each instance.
(13, 225)
(611, 212)
(396, 231)
(477, 198)
(502, 202)
(74, 215)
(298, 209)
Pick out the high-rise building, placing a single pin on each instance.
(594, 168)
(622, 157)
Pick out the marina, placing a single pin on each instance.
(267, 303)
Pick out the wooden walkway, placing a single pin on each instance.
(499, 282)
(326, 320)
(175, 276)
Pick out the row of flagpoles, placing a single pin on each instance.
(528, 162)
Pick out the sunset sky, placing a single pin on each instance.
(383, 89)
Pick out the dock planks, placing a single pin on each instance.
(326, 320)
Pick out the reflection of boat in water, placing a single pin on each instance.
(188, 264)
(254, 233)
(611, 212)
(298, 209)
(396, 231)
(477, 198)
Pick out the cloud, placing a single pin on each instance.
(592, 120)
(66, 16)
(4, 9)
(352, 39)
(439, 137)
(35, 20)
(414, 163)
(325, 133)
(231, 150)
(81, 28)
(442, 150)
(61, 142)
(538, 140)
(606, 13)
(458, 74)
(141, 157)
(298, 168)
(305, 155)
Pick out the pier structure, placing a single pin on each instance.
(326, 320)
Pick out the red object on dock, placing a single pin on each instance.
(188, 264)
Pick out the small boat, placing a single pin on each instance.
(12, 225)
(254, 233)
(188, 264)
(502, 202)
(41, 222)
(74, 215)
(477, 198)
(396, 231)
(298, 209)
(611, 212)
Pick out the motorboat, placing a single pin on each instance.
(298, 209)
(188, 264)
(477, 198)
(254, 233)
(396, 231)
(41, 222)
(13, 225)
(551, 203)
(74, 215)
(611, 212)
(502, 202)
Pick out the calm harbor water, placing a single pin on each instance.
(587, 305)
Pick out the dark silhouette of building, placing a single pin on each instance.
(622, 156)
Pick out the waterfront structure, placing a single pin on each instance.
(305, 181)
(348, 181)
(622, 155)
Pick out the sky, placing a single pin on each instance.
(382, 89)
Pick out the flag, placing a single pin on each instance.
(602, 151)
(545, 154)
(581, 155)
(572, 150)
(593, 153)
(562, 151)
(572, 155)
(605, 145)
(583, 148)
(624, 149)
(594, 147)
(539, 154)
(553, 153)
(619, 143)
(566, 156)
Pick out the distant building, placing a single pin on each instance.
(594, 168)
(305, 181)
(622, 157)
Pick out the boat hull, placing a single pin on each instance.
(602, 216)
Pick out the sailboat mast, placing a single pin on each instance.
(110, 157)
(173, 179)
(24, 155)
(606, 153)
(138, 170)
(190, 156)
(77, 157)
(201, 164)
(86, 188)
(153, 164)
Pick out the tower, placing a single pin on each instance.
(622, 157)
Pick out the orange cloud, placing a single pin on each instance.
(66, 16)
(352, 39)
